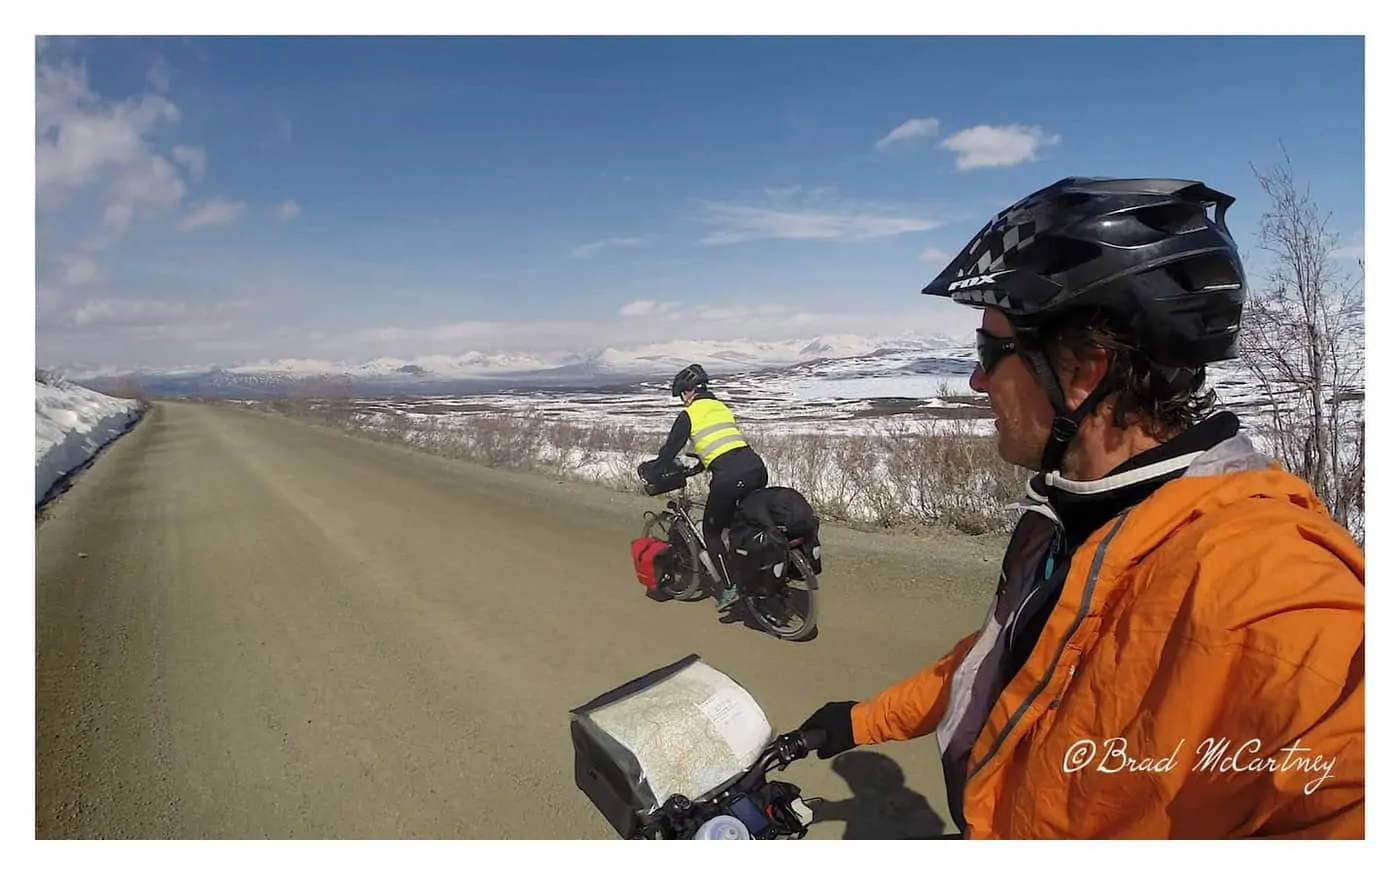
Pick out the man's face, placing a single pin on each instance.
(1023, 412)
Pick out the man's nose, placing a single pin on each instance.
(978, 380)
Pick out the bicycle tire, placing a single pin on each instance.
(808, 627)
(667, 527)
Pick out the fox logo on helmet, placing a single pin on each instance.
(974, 297)
(975, 281)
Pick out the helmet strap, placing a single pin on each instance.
(1066, 423)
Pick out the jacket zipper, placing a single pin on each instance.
(1011, 724)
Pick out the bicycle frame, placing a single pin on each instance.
(680, 509)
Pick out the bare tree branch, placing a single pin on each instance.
(1303, 341)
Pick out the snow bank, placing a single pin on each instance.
(71, 424)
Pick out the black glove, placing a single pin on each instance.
(833, 718)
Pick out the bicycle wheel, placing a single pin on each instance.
(685, 585)
(772, 607)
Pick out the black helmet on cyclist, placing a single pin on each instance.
(1146, 251)
(691, 378)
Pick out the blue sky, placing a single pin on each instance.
(229, 200)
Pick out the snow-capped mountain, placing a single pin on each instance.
(479, 371)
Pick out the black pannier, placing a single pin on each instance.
(759, 553)
(765, 521)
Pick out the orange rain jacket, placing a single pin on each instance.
(1201, 676)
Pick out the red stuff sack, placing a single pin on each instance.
(651, 560)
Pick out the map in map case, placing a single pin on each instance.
(687, 728)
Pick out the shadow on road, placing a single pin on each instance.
(737, 613)
(881, 805)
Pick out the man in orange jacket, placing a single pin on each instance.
(1176, 645)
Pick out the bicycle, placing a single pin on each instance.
(786, 575)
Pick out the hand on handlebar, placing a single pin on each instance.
(830, 728)
(799, 743)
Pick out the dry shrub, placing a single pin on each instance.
(919, 471)
(904, 471)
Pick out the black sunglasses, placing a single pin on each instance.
(992, 349)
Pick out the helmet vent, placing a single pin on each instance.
(1049, 255)
(1205, 273)
(1174, 219)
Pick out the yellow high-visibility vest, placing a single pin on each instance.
(712, 429)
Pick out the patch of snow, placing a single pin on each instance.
(894, 386)
(71, 423)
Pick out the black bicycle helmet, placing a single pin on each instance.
(690, 378)
(1146, 250)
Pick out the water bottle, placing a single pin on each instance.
(725, 826)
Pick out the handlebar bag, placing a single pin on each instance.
(686, 728)
(659, 476)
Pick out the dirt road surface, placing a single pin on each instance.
(248, 626)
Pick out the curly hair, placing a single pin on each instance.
(1163, 400)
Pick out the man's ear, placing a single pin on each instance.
(1082, 372)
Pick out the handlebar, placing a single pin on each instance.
(795, 745)
(680, 817)
(782, 752)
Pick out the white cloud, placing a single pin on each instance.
(588, 250)
(908, 130)
(146, 313)
(742, 313)
(99, 171)
(117, 217)
(193, 158)
(807, 214)
(84, 141)
(120, 330)
(127, 312)
(159, 75)
(1005, 146)
(218, 211)
(288, 210)
(79, 271)
(935, 255)
(648, 308)
(48, 301)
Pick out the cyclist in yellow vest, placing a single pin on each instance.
(735, 469)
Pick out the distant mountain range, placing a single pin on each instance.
(493, 372)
